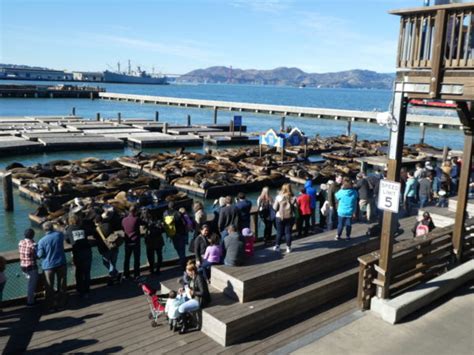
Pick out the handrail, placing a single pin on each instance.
(414, 261)
(429, 9)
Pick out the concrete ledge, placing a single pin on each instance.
(392, 311)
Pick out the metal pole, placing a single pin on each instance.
(215, 115)
(97, 116)
(189, 120)
(390, 220)
(157, 116)
(445, 153)
(7, 191)
(282, 124)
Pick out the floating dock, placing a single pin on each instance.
(280, 110)
(48, 91)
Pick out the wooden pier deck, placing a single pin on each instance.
(280, 110)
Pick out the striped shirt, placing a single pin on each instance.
(27, 250)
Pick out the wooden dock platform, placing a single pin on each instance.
(156, 139)
(49, 91)
(280, 110)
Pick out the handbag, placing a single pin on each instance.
(325, 208)
(114, 240)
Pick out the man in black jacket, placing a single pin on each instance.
(179, 239)
(365, 191)
(228, 215)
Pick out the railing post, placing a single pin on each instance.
(467, 119)
(7, 191)
(390, 220)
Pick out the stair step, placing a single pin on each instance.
(229, 324)
(453, 202)
(270, 271)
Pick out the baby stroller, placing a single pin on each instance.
(156, 302)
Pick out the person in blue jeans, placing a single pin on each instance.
(346, 199)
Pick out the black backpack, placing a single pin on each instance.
(264, 209)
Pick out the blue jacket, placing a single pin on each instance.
(51, 250)
(347, 200)
(311, 191)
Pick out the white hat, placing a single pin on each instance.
(330, 182)
(324, 186)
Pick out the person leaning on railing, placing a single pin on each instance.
(51, 250)
(27, 251)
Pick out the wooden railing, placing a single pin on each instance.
(436, 36)
(414, 261)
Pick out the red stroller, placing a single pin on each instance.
(156, 302)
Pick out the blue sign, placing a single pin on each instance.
(295, 137)
(237, 121)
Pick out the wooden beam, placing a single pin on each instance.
(390, 220)
(438, 53)
(467, 119)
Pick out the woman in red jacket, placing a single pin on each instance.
(304, 211)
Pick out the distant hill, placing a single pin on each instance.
(291, 77)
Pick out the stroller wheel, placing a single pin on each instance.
(154, 323)
(150, 316)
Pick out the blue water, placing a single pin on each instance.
(13, 224)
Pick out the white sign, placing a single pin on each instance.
(389, 196)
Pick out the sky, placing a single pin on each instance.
(175, 37)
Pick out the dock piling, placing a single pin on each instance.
(231, 126)
(282, 124)
(73, 111)
(165, 127)
(119, 117)
(97, 116)
(445, 153)
(422, 134)
(7, 191)
(157, 116)
(349, 127)
(189, 121)
(215, 115)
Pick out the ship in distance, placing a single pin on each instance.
(133, 77)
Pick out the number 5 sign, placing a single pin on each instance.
(389, 196)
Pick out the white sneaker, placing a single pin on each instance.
(276, 248)
(337, 238)
(288, 250)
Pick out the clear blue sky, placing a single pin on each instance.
(182, 35)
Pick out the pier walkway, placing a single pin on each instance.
(312, 112)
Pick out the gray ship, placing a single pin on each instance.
(136, 77)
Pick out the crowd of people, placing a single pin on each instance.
(225, 238)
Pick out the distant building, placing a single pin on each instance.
(88, 76)
(33, 74)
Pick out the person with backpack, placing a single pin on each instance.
(175, 229)
(154, 242)
(81, 254)
(284, 206)
(131, 226)
(425, 190)
(304, 211)
(423, 226)
(244, 206)
(346, 199)
(266, 214)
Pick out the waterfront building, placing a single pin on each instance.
(18, 73)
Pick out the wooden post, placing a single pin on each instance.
(467, 120)
(445, 153)
(422, 134)
(157, 116)
(354, 142)
(165, 127)
(282, 124)
(189, 121)
(119, 117)
(231, 126)
(348, 128)
(97, 116)
(74, 111)
(438, 52)
(215, 115)
(390, 219)
(7, 191)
